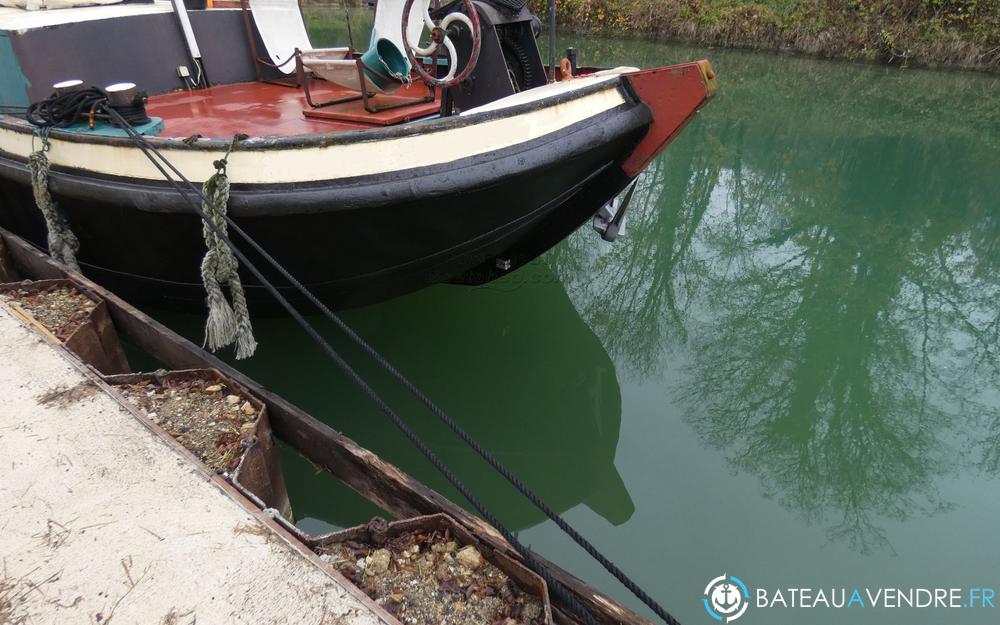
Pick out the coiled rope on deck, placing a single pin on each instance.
(63, 244)
(227, 323)
(85, 105)
(556, 587)
(61, 110)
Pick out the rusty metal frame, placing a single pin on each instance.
(259, 470)
(380, 482)
(527, 579)
(375, 109)
(303, 76)
(94, 342)
(255, 57)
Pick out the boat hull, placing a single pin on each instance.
(352, 241)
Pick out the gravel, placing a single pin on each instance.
(62, 310)
(201, 415)
(428, 579)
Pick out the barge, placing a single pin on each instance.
(367, 174)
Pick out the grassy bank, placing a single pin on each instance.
(957, 33)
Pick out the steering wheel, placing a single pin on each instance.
(439, 36)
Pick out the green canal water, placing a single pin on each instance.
(789, 369)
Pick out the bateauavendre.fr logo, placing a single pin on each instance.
(727, 598)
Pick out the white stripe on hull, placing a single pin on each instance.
(305, 164)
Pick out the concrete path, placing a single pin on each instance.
(102, 522)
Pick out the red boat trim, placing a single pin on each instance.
(674, 94)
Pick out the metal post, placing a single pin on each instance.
(553, 64)
(182, 17)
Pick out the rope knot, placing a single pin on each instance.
(63, 244)
(227, 323)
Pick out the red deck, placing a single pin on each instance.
(263, 109)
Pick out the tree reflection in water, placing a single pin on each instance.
(832, 280)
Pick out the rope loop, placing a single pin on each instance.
(63, 244)
(227, 322)
(41, 133)
(569, 599)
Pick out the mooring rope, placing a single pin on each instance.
(63, 244)
(557, 588)
(227, 323)
(61, 110)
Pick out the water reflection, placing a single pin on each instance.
(834, 285)
(639, 299)
(513, 362)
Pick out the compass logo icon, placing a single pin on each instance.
(726, 598)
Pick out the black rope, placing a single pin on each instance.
(467, 438)
(427, 402)
(61, 110)
(511, 42)
(557, 588)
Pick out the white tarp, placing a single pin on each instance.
(282, 29)
(389, 20)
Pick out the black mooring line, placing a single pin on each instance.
(557, 586)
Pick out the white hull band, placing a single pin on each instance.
(260, 163)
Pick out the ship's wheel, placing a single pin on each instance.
(439, 37)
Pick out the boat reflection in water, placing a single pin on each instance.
(512, 362)
(832, 296)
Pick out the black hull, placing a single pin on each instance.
(347, 244)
